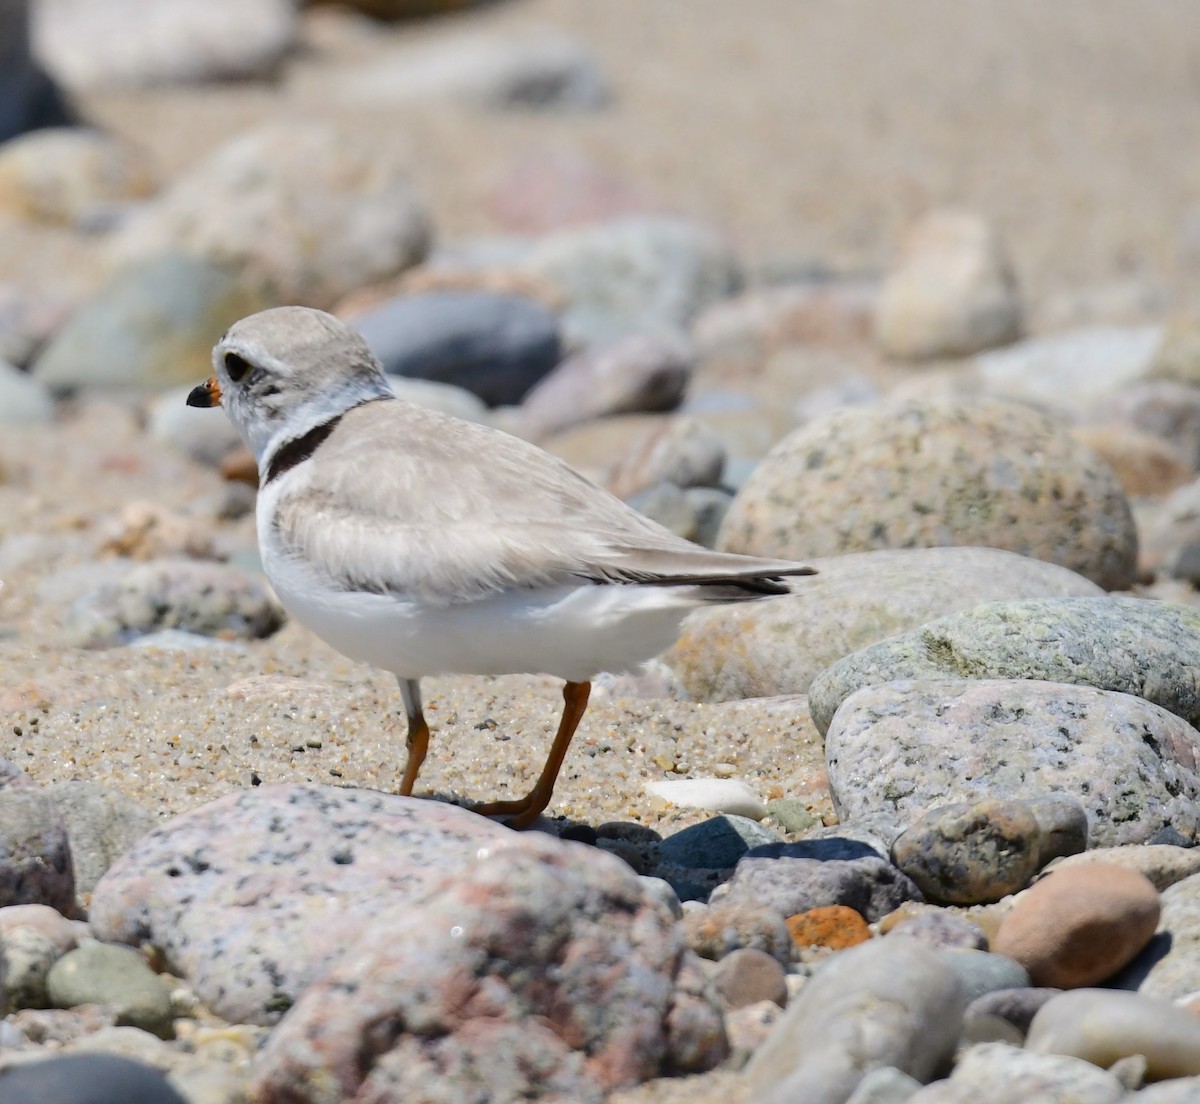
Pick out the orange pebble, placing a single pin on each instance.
(832, 926)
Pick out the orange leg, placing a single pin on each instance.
(524, 811)
(418, 734)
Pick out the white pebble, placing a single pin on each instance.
(720, 795)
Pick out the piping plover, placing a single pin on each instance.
(426, 545)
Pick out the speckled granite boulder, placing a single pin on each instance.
(253, 896)
(210, 599)
(760, 649)
(454, 991)
(1150, 650)
(903, 747)
(947, 471)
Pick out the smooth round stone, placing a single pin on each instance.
(835, 927)
(791, 815)
(1003, 1074)
(29, 955)
(682, 450)
(941, 929)
(747, 975)
(719, 795)
(1163, 863)
(884, 1085)
(1171, 966)
(1018, 1006)
(108, 974)
(714, 931)
(715, 844)
(1144, 464)
(970, 853)
(982, 972)
(920, 473)
(1103, 1026)
(1080, 925)
(1062, 823)
(86, 1079)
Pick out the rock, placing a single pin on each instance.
(1062, 826)
(1143, 463)
(407, 9)
(467, 990)
(1063, 369)
(1016, 1006)
(32, 939)
(970, 853)
(1150, 649)
(958, 471)
(718, 795)
(1172, 535)
(71, 175)
(747, 1028)
(252, 897)
(884, 1085)
(86, 1079)
(29, 99)
(1179, 1090)
(717, 930)
(791, 815)
(310, 211)
(884, 1003)
(99, 973)
(951, 294)
(152, 327)
(900, 747)
(634, 275)
(35, 855)
(1165, 409)
(189, 430)
(1172, 969)
(209, 599)
(495, 345)
(996, 1073)
(835, 927)
(746, 976)
(981, 972)
(715, 844)
(939, 928)
(143, 43)
(796, 877)
(539, 70)
(149, 531)
(641, 373)
(682, 451)
(762, 649)
(23, 401)
(1176, 356)
(102, 824)
(1102, 1026)
(1163, 863)
(694, 514)
(1080, 925)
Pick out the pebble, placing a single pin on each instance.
(29, 956)
(884, 1085)
(717, 930)
(1182, 1090)
(1103, 1026)
(23, 400)
(901, 747)
(1174, 971)
(952, 293)
(1080, 925)
(92, 45)
(310, 211)
(209, 599)
(818, 492)
(539, 70)
(101, 973)
(149, 531)
(467, 986)
(834, 927)
(86, 1079)
(732, 796)
(762, 649)
(494, 345)
(715, 844)
(1144, 465)
(1168, 410)
(634, 275)
(682, 451)
(1017, 1006)
(747, 976)
(940, 928)
(884, 1003)
(1162, 863)
(1172, 528)
(29, 99)
(641, 373)
(35, 853)
(982, 972)
(1062, 826)
(694, 514)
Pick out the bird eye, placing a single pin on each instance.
(236, 366)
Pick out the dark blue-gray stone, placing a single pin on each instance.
(29, 99)
(86, 1079)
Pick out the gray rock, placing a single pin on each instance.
(1172, 533)
(1170, 965)
(958, 471)
(630, 375)
(682, 451)
(1150, 650)
(761, 649)
(143, 43)
(996, 1073)
(536, 71)
(118, 977)
(152, 327)
(714, 931)
(495, 345)
(884, 1085)
(796, 877)
(747, 976)
(252, 897)
(466, 995)
(970, 853)
(1167, 409)
(1102, 1026)
(102, 824)
(23, 400)
(715, 844)
(1062, 824)
(86, 1079)
(1018, 1006)
(888, 1002)
(634, 275)
(1179, 1090)
(206, 598)
(942, 929)
(900, 747)
(981, 972)
(1163, 863)
(311, 212)
(29, 955)
(35, 855)
(29, 99)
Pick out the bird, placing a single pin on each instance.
(423, 544)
